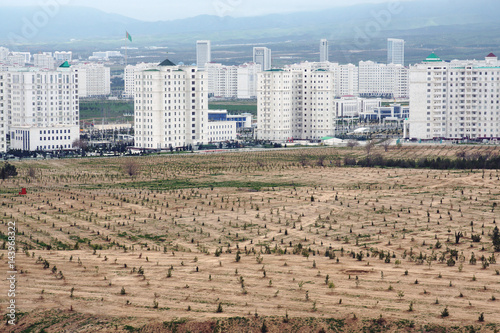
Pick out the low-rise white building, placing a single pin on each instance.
(220, 131)
(57, 137)
(353, 107)
(454, 100)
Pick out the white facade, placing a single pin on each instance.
(323, 50)
(129, 77)
(383, 80)
(263, 57)
(295, 104)
(349, 107)
(62, 56)
(455, 100)
(233, 81)
(4, 52)
(26, 56)
(248, 76)
(203, 53)
(220, 131)
(37, 100)
(105, 55)
(395, 51)
(222, 80)
(345, 81)
(171, 107)
(44, 61)
(3, 114)
(15, 60)
(96, 80)
(57, 137)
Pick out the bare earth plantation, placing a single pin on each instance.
(278, 241)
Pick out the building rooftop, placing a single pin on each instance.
(65, 65)
(491, 55)
(433, 58)
(166, 62)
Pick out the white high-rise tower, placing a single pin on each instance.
(203, 53)
(395, 51)
(262, 56)
(323, 50)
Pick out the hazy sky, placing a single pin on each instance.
(153, 10)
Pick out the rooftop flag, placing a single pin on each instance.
(128, 36)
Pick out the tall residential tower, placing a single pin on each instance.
(323, 50)
(396, 51)
(203, 53)
(262, 56)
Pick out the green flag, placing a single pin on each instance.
(128, 36)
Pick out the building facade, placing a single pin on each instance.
(95, 80)
(345, 81)
(232, 81)
(295, 104)
(263, 57)
(38, 103)
(455, 100)
(323, 50)
(381, 80)
(396, 51)
(62, 56)
(129, 77)
(44, 61)
(203, 53)
(171, 106)
(3, 114)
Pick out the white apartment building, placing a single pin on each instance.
(390, 81)
(62, 56)
(171, 106)
(129, 77)
(4, 52)
(95, 80)
(15, 60)
(203, 53)
(263, 57)
(222, 80)
(455, 100)
(248, 76)
(395, 51)
(26, 56)
(295, 104)
(233, 81)
(323, 50)
(3, 114)
(38, 103)
(345, 81)
(44, 61)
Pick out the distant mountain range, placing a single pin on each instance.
(425, 23)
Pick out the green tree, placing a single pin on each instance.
(496, 239)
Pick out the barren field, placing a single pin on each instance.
(278, 241)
